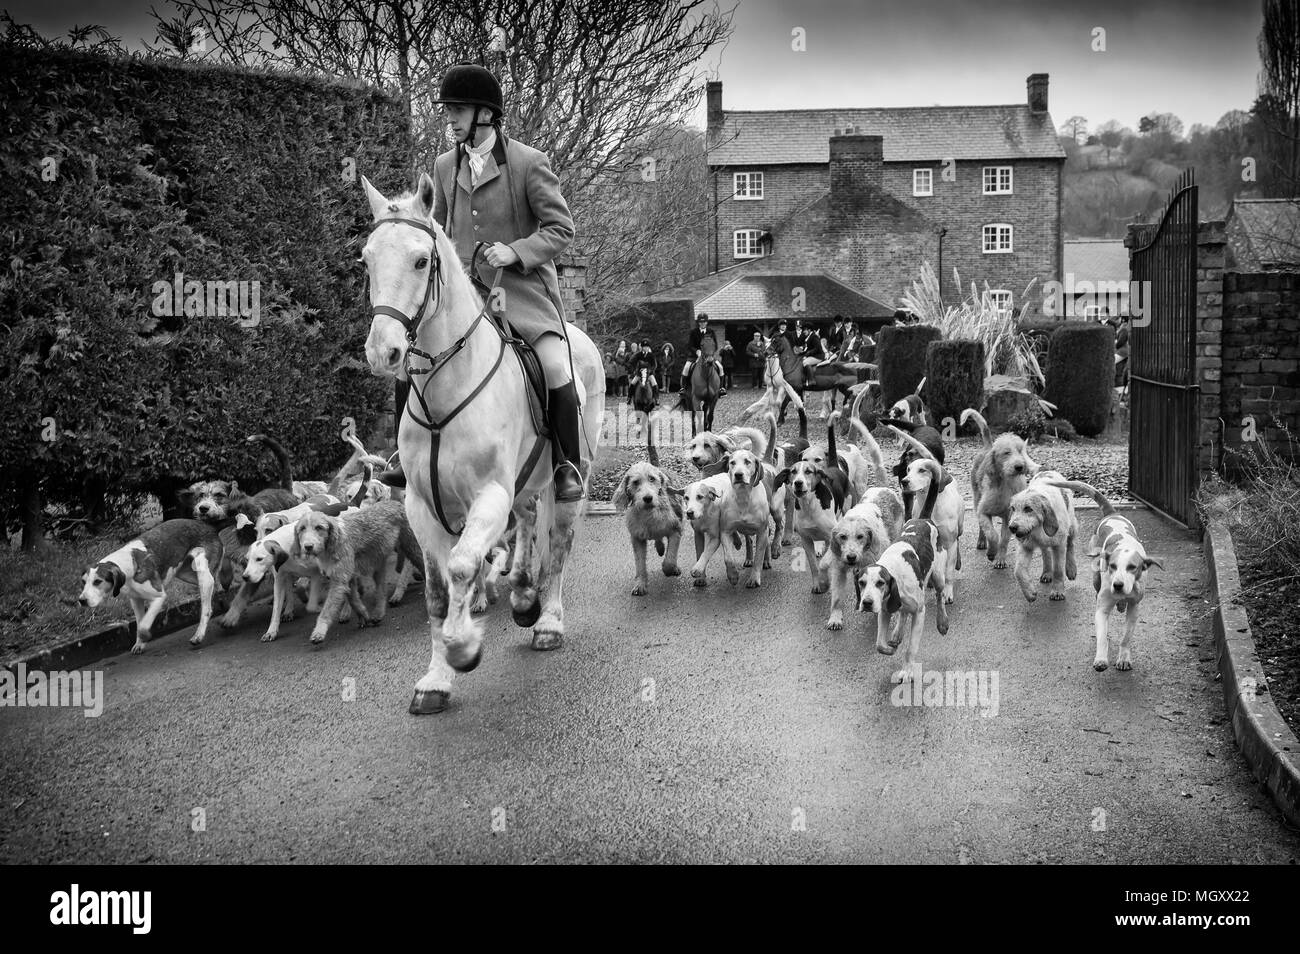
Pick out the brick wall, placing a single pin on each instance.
(1261, 358)
(1210, 252)
(894, 237)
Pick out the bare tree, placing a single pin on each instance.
(1278, 105)
(1076, 127)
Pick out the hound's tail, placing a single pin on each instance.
(407, 546)
(920, 385)
(970, 414)
(921, 450)
(873, 449)
(362, 487)
(281, 455)
(1079, 487)
(770, 456)
(757, 439)
(832, 455)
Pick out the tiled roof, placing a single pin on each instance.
(1264, 234)
(911, 134)
(1095, 260)
(759, 296)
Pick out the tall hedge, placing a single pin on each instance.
(900, 353)
(121, 172)
(954, 377)
(1080, 374)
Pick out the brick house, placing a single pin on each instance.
(861, 197)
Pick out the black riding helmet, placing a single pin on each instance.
(471, 85)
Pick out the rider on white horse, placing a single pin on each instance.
(497, 194)
(696, 345)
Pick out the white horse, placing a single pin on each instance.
(415, 272)
(776, 387)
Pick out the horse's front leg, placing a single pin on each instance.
(524, 605)
(434, 688)
(484, 524)
(559, 520)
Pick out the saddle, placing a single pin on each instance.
(529, 364)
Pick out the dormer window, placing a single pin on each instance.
(748, 185)
(997, 180)
(922, 182)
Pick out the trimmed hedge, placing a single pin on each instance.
(1080, 371)
(954, 377)
(119, 173)
(901, 355)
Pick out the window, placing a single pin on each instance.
(1094, 312)
(997, 238)
(922, 182)
(997, 180)
(1002, 300)
(748, 185)
(745, 243)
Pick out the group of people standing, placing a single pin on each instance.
(840, 341)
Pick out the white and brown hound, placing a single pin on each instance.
(896, 584)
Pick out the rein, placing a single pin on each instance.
(440, 361)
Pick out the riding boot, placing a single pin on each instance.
(566, 442)
(394, 476)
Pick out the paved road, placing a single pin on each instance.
(768, 739)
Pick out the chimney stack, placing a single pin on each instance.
(1037, 84)
(856, 164)
(713, 93)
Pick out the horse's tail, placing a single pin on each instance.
(971, 414)
(281, 455)
(873, 449)
(1078, 486)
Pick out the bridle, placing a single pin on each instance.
(412, 323)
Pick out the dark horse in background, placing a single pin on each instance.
(645, 398)
(702, 392)
(837, 377)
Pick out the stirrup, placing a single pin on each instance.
(393, 475)
(568, 482)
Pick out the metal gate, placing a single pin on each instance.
(1164, 393)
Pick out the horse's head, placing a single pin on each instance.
(410, 263)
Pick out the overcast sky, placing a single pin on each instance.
(1194, 59)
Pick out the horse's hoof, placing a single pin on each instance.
(471, 665)
(546, 641)
(427, 703)
(527, 617)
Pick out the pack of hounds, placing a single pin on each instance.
(880, 539)
(338, 542)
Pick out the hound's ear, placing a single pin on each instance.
(893, 602)
(332, 534)
(824, 495)
(295, 547)
(425, 192)
(1050, 523)
(758, 473)
(834, 544)
(242, 520)
(185, 495)
(947, 479)
(1148, 563)
(712, 492)
(376, 198)
(674, 491)
(117, 576)
(661, 477)
(278, 556)
(620, 500)
(782, 478)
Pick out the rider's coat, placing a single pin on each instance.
(536, 224)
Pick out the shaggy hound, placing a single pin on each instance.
(999, 472)
(352, 554)
(1043, 520)
(653, 512)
